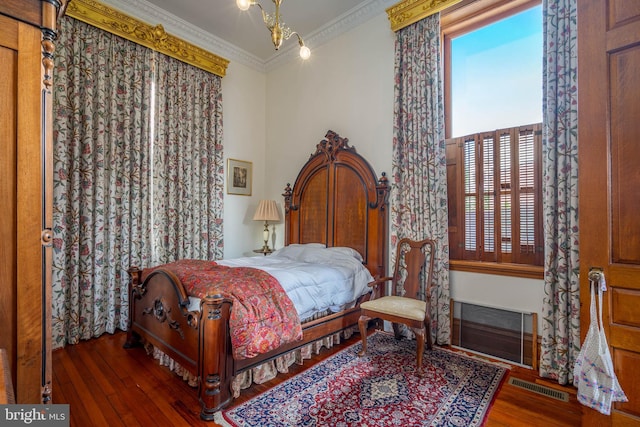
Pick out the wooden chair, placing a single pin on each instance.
(409, 301)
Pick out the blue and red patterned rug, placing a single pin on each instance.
(379, 389)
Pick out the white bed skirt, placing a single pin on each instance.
(261, 373)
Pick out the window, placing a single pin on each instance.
(493, 103)
(495, 181)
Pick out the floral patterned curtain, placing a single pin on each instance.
(101, 178)
(120, 170)
(188, 170)
(561, 305)
(419, 185)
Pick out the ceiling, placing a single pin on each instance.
(245, 31)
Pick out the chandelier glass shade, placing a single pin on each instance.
(278, 29)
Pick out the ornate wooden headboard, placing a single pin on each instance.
(338, 200)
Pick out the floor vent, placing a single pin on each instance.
(540, 389)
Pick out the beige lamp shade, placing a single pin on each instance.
(267, 211)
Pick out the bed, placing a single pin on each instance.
(337, 201)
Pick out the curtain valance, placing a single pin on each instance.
(97, 14)
(408, 12)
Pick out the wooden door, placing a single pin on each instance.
(27, 31)
(609, 159)
(22, 288)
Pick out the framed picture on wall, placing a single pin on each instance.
(239, 176)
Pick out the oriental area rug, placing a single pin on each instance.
(378, 389)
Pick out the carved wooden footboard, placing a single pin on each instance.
(198, 340)
(336, 200)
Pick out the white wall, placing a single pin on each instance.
(243, 98)
(346, 86)
(511, 293)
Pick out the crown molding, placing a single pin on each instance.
(146, 11)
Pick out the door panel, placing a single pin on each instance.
(625, 151)
(8, 186)
(609, 189)
(628, 362)
(625, 303)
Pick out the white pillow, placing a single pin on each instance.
(295, 251)
(346, 252)
(323, 255)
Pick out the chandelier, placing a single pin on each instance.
(279, 31)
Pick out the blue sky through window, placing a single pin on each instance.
(497, 75)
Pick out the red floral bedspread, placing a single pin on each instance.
(262, 316)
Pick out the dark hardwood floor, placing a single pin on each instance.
(106, 385)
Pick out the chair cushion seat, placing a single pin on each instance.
(397, 306)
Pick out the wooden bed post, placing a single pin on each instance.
(216, 364)
(382, 190)
(134, 291)
(288, 192)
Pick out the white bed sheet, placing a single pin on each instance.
(313, 287)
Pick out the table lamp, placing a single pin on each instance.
(267, 211)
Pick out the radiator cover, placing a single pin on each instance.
(505, 334)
